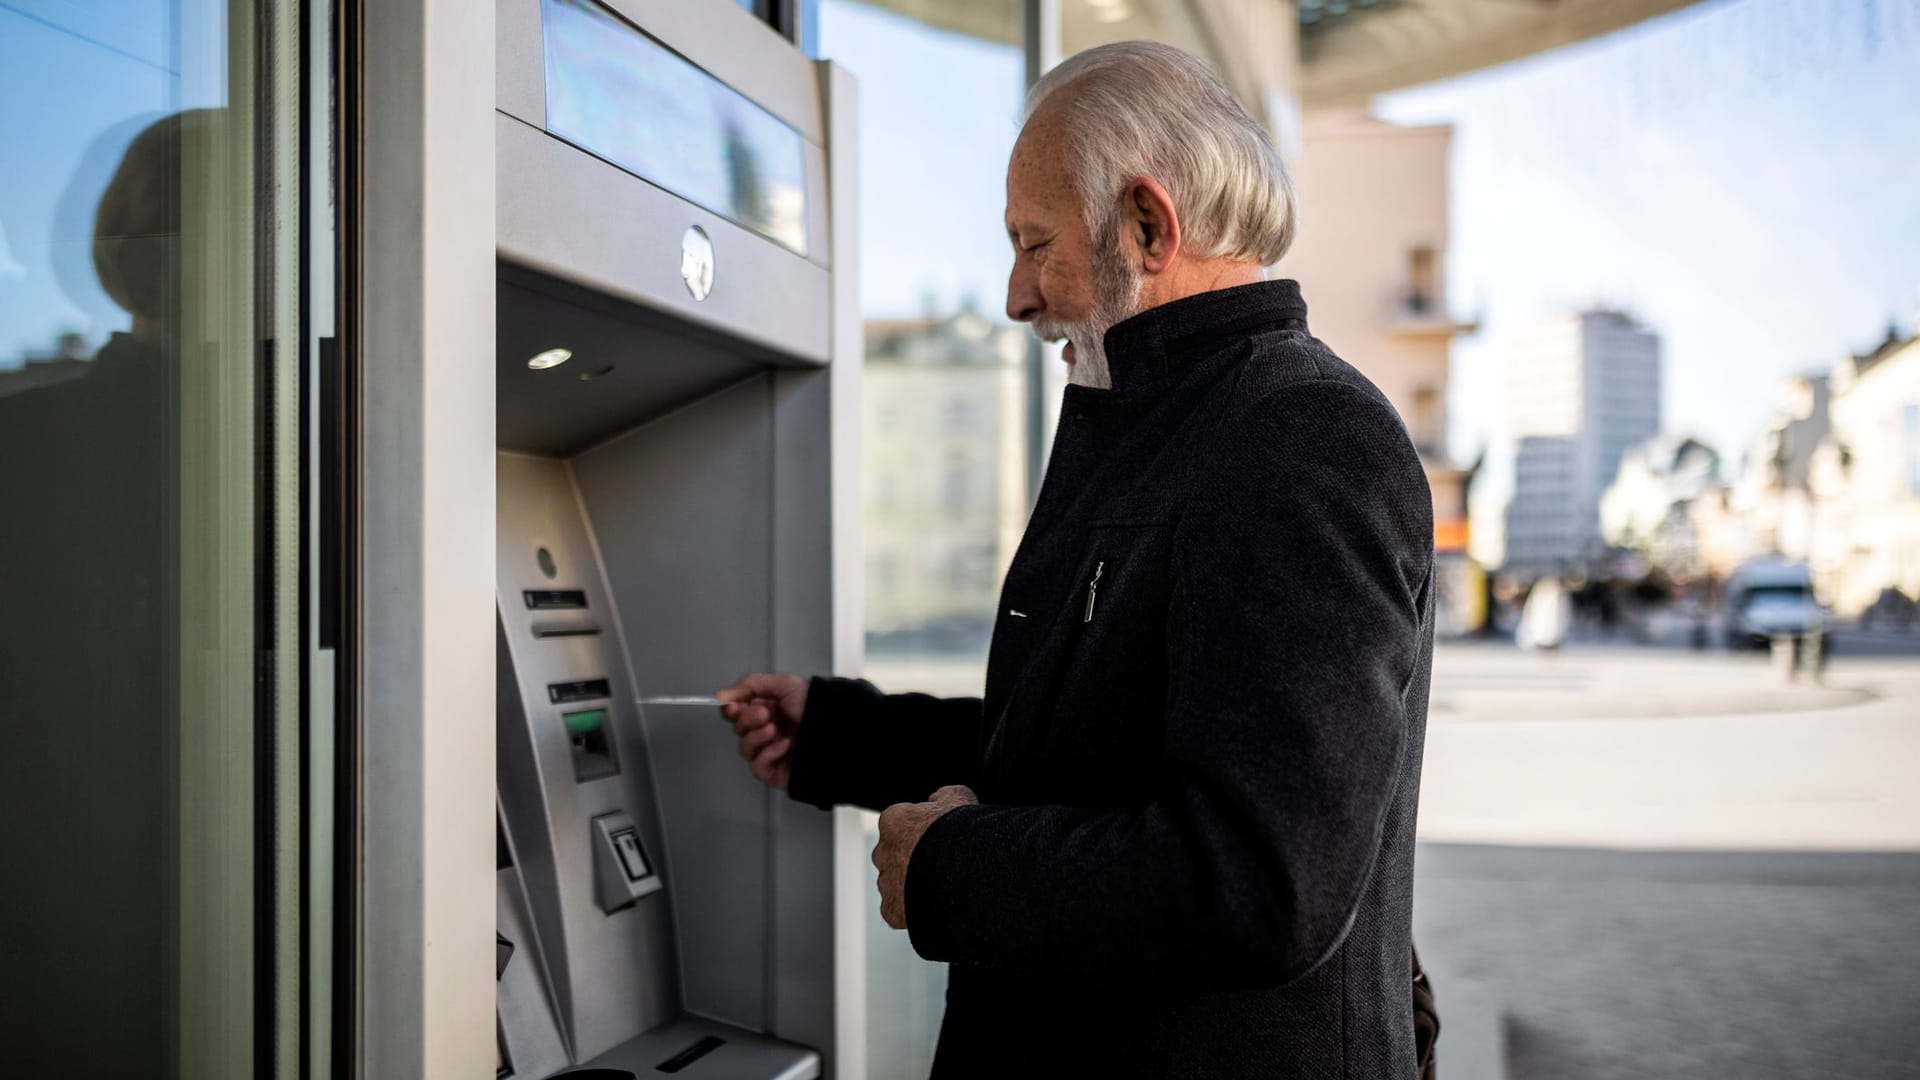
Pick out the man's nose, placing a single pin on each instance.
(1023, 293)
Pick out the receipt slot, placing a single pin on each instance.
(665, 502)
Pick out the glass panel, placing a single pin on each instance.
(150, 576)
(624, 96)
(944, 399)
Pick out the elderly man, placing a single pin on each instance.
(1176, 836)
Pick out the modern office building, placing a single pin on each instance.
(408, 407)
(1583, 389)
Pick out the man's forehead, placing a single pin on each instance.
(1031, 194)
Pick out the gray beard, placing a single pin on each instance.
(1116, 297)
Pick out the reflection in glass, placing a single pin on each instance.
(87, 463)
(624, 96)
(132, 478)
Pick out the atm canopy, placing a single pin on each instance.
(1350, 50)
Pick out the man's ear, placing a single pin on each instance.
(1152, 227)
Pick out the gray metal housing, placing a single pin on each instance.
(678, 473)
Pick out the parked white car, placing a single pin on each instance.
(1770, 599)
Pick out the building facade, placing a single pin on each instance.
(1865, 479)
(944, 490)
(1773, 495)
(1583, 389)
(1648, 507)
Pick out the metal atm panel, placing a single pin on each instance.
(613, 972)
(683, 521)
(604, 873)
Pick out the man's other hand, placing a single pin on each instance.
(765, 711)
(901, 826)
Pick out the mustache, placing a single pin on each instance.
(1052, 332)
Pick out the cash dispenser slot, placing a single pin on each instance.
(568, 693)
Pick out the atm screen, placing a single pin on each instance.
(625, 97)
(586, 721)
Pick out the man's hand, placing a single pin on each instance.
(901, 826)
(765, 711)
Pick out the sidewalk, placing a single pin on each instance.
(1647, 748)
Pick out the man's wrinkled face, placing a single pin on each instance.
(1070, 284)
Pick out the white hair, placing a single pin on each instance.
(1141, 109)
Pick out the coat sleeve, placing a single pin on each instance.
(1297, 622)
(861, 747)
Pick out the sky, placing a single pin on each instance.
(77, 83)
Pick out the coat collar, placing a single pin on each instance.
(1155, 343)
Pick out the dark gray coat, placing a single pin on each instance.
(1194, 850)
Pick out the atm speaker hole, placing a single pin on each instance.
(545, 559)
(589, 376)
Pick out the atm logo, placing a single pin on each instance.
(696, 262)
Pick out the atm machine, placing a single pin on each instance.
(667, 296)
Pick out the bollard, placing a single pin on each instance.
(1813, 657)
(1783, 649)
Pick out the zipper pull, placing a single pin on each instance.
(1093, 589)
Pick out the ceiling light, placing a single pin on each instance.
(550, 358)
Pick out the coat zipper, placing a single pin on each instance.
(1093, 589)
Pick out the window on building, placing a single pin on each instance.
(956, 486)
(1426, 419)
(962, 416)
(1910, 423)
(1423, 281)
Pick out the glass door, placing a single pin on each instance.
(153, 666)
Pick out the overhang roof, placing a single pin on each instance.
(1352, 50)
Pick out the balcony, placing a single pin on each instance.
(1422, 313)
